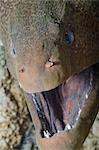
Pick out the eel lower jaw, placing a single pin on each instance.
(59, 110)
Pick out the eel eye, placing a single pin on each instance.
(13, 52)
(69, 38)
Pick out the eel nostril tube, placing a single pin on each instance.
(49, 63)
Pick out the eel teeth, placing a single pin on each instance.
(78, 114)
(86, 96)
(35, 102)
(46, 134)
(68, 127)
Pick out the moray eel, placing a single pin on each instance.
(52, 50)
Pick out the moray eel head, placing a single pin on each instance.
(54, 52)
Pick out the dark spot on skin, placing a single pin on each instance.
(69, 38)
(55, 43)
(43, 46)
(22, 70)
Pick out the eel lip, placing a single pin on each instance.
(67, 111)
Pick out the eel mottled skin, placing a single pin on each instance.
(46, 42)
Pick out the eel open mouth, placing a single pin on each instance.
(59, 109)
